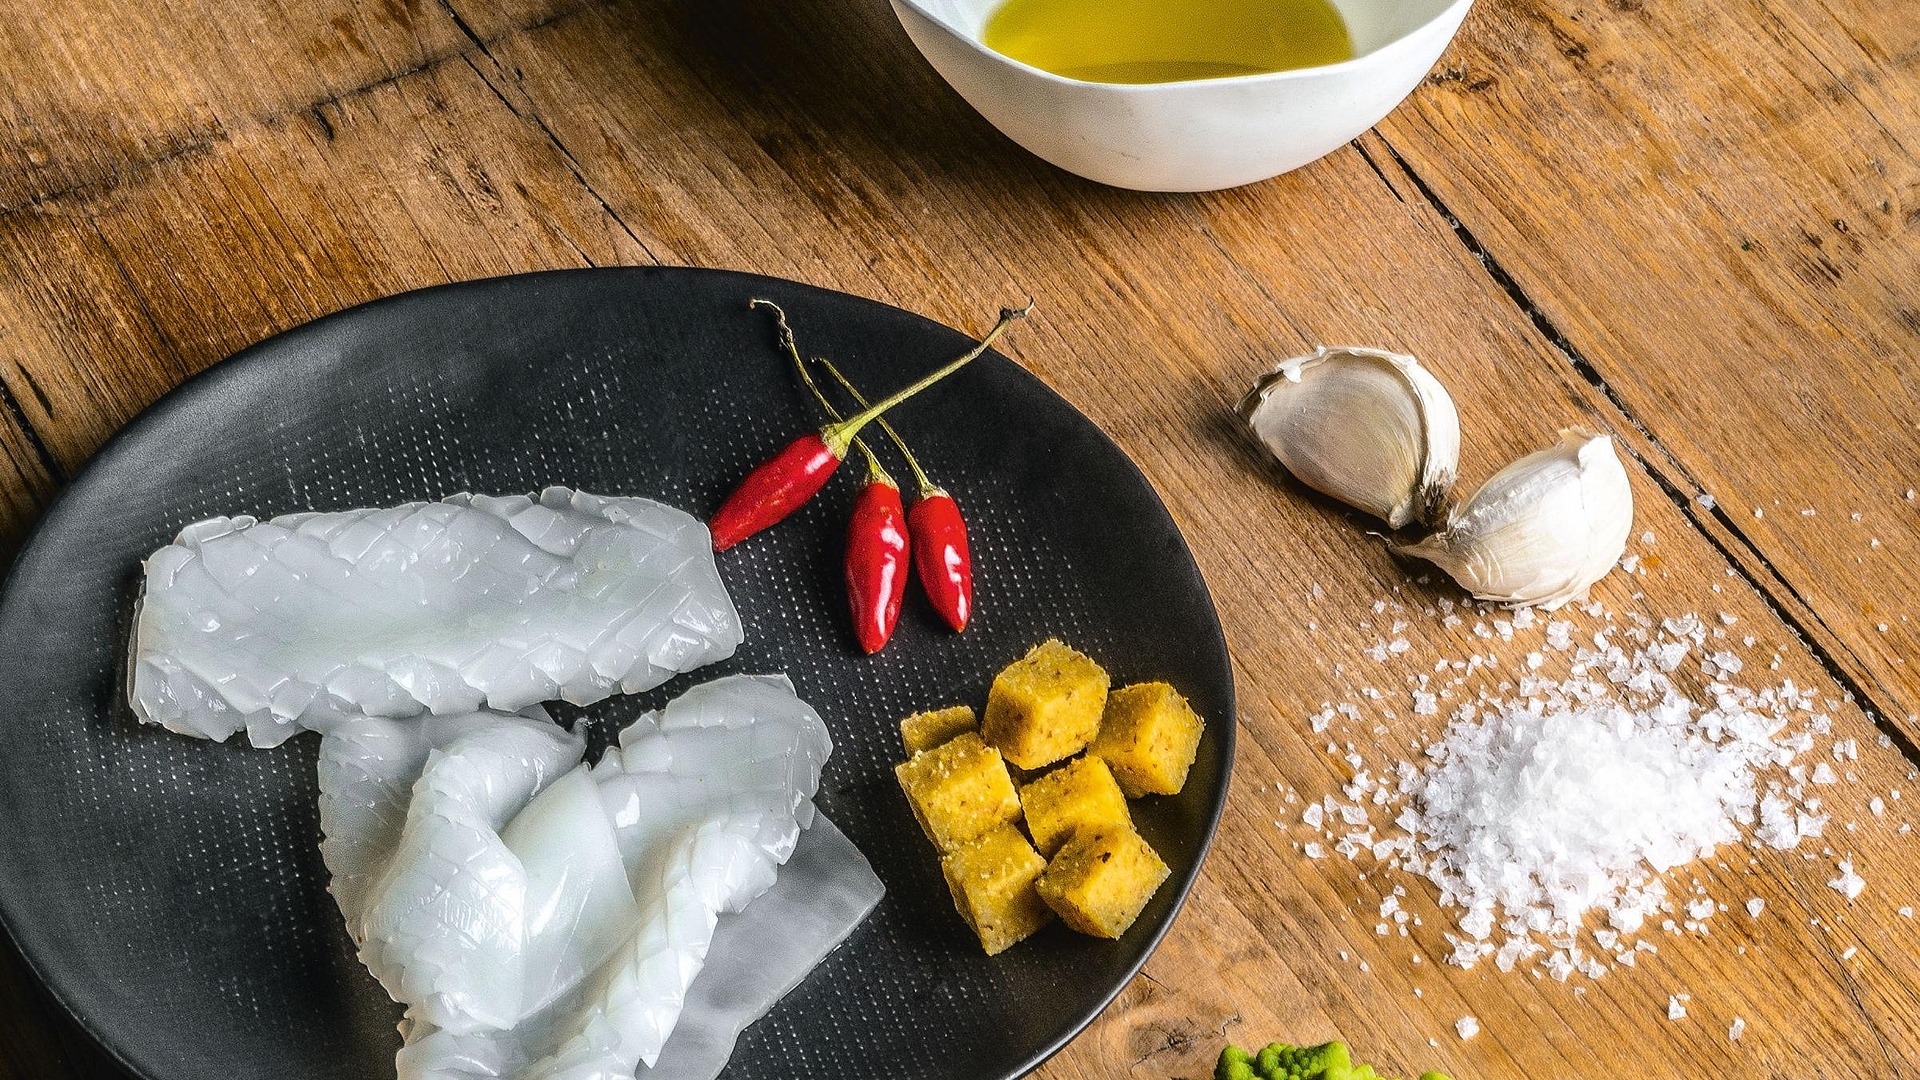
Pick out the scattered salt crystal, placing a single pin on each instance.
(1848, 884)
(1704, 500)
(1676, 1008)
(1906, 913)
(1876, 806)
(1315, 851)
(1313, 815)
(1507, 811)
(1823, 774)
(1849, 953)
(1759, 513)
(1736, 1029)
(1755, 906)
(1467, 1026)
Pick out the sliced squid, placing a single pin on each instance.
(447, 608)
(545, 919)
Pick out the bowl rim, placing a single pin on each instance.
(1182, 85)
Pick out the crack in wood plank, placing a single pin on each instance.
(201, 143)
(531, 115)
(41, 453)
(195, 147)
(1800, 616)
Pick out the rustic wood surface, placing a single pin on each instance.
(1696, 226)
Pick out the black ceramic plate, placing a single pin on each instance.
(170, 891)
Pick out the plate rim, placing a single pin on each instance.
(207, 380)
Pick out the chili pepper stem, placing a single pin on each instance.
(838, 436)
(876, 474)
(927, 487)
(785, 333)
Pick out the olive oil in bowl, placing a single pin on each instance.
(1158, 41)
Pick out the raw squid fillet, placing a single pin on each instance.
(447, 607)
(545, 919)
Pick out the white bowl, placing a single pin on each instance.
(1189, 136)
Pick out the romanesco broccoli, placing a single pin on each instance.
(1279, 1061)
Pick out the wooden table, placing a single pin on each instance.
(1695, 225)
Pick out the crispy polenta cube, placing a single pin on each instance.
(1148, 737)
(1078, 794)
(1101, 879)
(1045, 706)
(959, 790)
(926, 730)
(992, 883)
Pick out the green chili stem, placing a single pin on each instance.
(919, 475)
(785, 332)
(842, 432)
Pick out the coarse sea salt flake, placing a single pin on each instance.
(1848, 884)
(1467, 1027)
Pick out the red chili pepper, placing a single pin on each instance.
(940, 555)
(787, 480)
(775, 489)
(939, 533)
(877, 564)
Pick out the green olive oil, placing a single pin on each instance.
(1154, 41)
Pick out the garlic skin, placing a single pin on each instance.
(1370, 428)
(1541, 530)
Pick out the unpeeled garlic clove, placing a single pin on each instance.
(1371, 428)
(1542, 529)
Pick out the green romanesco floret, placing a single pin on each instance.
(1279, 1061)
(1234, 1064)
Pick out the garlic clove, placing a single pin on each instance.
(1541, 530)
(1371, 428)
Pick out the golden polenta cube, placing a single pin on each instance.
(1078, 794)
(926, 730)
(1148, 738)
(1101, 879)
(959, 790)
(992, 883)
(1045, 706)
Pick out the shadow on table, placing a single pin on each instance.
(848, 68)
(38, 1040)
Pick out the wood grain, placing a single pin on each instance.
(807, 140)
(1717, 207)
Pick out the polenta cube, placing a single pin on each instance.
(1076, 795)
(926, 730)
(959, 790)
(1045, 706)
(1148, 738)
(1101, 879)
(992, 883)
